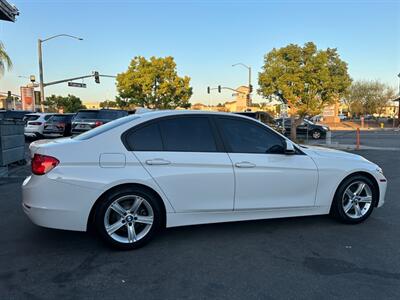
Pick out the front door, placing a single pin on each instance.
(266, 177)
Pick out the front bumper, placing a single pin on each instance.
(54, 204)
(382, 183)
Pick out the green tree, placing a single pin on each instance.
(5, 60)
(368, 97)
(69, 104)
(309, 78)
(154, 83)
(108, 104)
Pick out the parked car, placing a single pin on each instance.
(132, 176)
(58, 125)
(261, 116)
(13, 114)
(87, 119)
(34, 124)
(314, 130)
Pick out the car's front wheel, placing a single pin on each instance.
(128, 219)
(354, 200)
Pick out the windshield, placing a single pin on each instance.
(106, 127)
(308, 122)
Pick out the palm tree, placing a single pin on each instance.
(5, 60)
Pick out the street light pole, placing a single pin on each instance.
(41, 86)
(398, 75)
(41, 82)
(398, 113)
(248, 68)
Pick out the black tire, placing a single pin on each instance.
(316, 134)
(110, 198)
(337, 208)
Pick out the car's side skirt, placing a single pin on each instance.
(182, 219)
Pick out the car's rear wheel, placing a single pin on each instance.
(316, 134)
(354, 200)
(128, 219)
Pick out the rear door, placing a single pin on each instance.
(186, 159)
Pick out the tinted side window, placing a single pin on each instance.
(47, 117)
(244, 137)
(146, 138)
(191, 134)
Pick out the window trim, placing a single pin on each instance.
(256, 123)
(217, 139)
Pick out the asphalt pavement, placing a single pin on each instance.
(293, 258)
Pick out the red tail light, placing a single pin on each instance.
(98, 123)
(34, 123)
(42, 164)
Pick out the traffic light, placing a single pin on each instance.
(250, 88)
(96, 77)
(9, 95)
(208, 90)
(219, 89)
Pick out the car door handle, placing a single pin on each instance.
(244, 164)
(157, 161)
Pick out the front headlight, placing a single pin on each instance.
(325, 128)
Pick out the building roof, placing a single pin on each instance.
(8, 12)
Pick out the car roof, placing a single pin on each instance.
(103, 109)
(164, 113)
(39, 114)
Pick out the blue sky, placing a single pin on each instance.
(205, 37)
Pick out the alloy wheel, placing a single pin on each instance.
(128, 219)
(316, 134)
(357, 199)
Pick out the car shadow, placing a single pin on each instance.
(47, 239)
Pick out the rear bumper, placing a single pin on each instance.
(28, 130)
(53, 204)
(53, 133)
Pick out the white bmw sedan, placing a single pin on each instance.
(133, 176)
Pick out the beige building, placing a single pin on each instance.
(242, 102)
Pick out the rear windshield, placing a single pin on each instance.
(101, 114)
(106, 127)
(60, 118)
(31, 117)
(87, 115)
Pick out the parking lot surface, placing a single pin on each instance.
(302, 258)
(370, 138)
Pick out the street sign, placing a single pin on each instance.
(77, 84)
(27, 98)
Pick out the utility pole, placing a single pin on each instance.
(398, 99)
(249, 69)
(41, 86)
(41, 82)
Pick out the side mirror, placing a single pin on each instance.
(289, 147)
